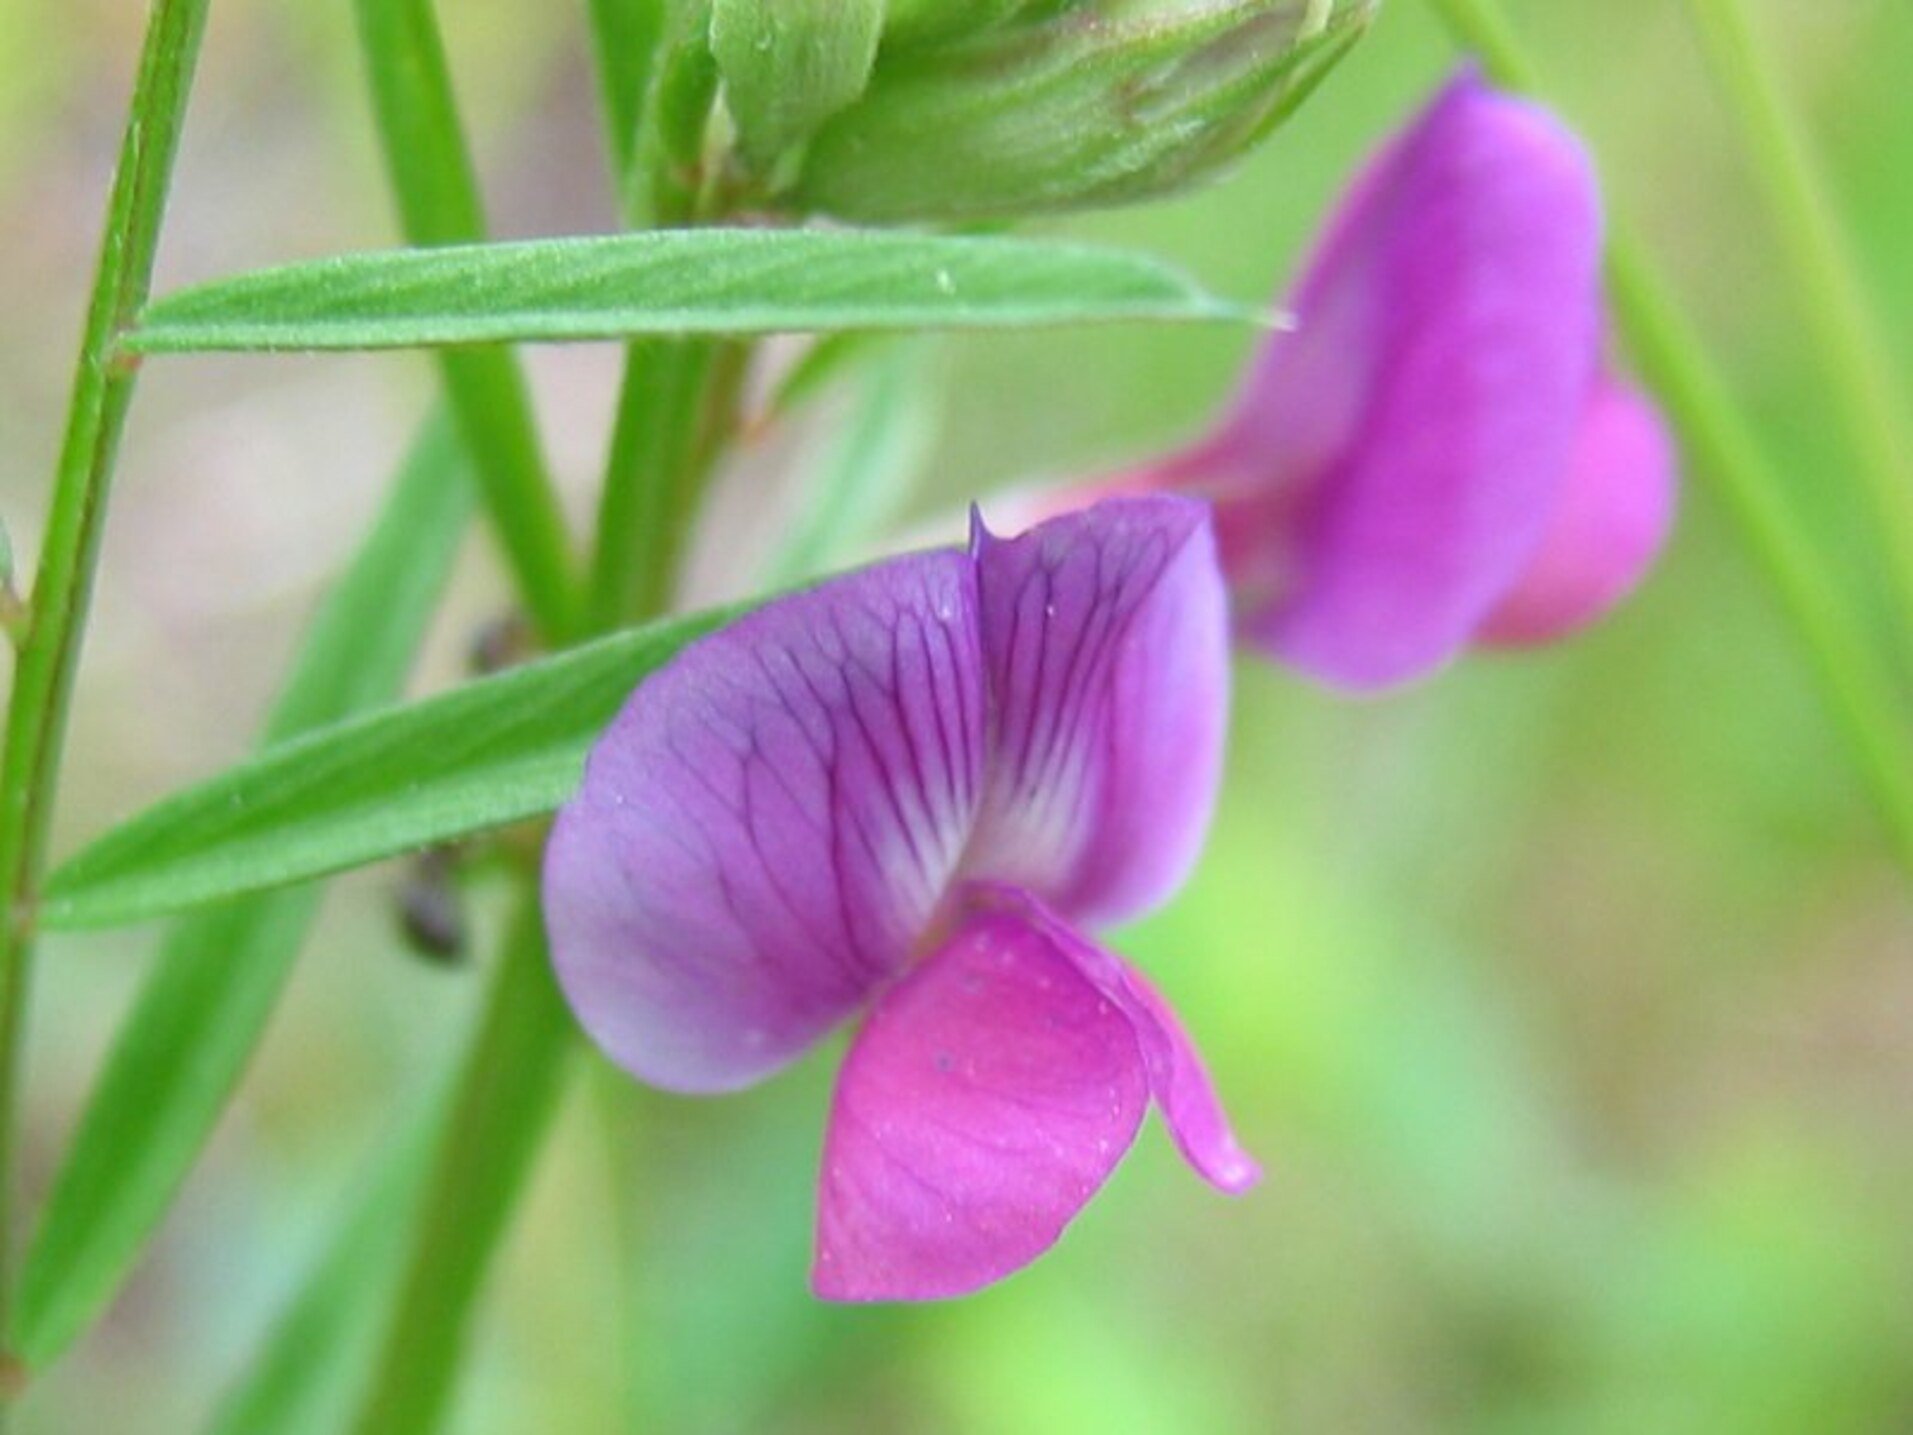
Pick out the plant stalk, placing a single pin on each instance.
(69, 554)
(438, 202)
(1856, 681)
(1867, 393)
(508, 1089)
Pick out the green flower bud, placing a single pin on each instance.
(1077, 109)
(788, 65)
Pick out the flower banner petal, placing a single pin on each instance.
(1390, 466)
(765, 830)
(1105, 637)
(990, 1094)
(1612, 519)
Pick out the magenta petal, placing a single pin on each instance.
(1611, 521)
(1391, 465)
(1105, 637)
(766, 828)
(990, 1094)
(1177, 1077)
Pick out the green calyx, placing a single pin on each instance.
(1066, 107)
(788, 65)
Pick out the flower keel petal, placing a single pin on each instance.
(1612, 519)
(1178, 1080)
(990, 1094)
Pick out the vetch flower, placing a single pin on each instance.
(1436, 455)
(911, 790)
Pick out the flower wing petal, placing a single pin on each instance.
(1612, 519)
(1392, 465)
(987, 1098)
(1105, 636)
(764, 831)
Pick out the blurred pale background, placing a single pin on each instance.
(1568, 999)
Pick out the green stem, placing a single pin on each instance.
(676, 412)
(431, 174)
(657, 105)
(507, 1092)
(1866, 390)
(1856, 682)
(102, 390)
(626, 39)
(647, 474)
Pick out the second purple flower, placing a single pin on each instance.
(1437, 456)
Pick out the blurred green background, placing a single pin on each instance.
(1568, 999)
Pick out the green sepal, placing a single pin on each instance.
(920, 22)
(788, 65)
(1079, 110)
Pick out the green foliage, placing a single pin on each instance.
(857, 485)
(509, 1082)
(489, 753)
(629, 38)
(219, 972)
(102, 393)
(706, 281)
(315, 1362)
(438, 202)
(913, 22)
(788, 65)
(1080, 110)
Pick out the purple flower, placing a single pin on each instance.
(909, 790)
(1436, 456)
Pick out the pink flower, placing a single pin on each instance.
(1436, 456)
(905, 792)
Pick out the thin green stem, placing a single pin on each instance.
(626, 39)
(69, 554)
(438, 201)
(647, 472)
(507, 1092)
(656, 462)
(1830, 296)
(1857, 683)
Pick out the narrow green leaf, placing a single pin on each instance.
(219, 973)
(709, 281)
(319, 1355)
(485, 754)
